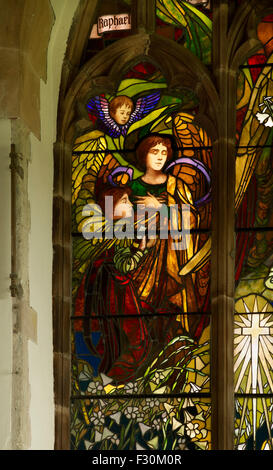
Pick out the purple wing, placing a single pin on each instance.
(99, 106)
(119, 170)
(143, 106)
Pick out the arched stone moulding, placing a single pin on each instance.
(103, 72)
(246, 22)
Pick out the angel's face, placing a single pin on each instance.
(122, 114)
(123, 208)
(156, 157)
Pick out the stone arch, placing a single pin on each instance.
(106, 68)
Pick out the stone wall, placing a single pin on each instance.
(33, 38)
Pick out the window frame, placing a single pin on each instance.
(220, 84)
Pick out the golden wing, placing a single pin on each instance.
(88, 155)
(91, 164)
(254, 132)
(196, 152)
(195, 146)
(91, 161)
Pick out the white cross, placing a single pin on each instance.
(255, 331)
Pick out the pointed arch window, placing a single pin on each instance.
(155, 321)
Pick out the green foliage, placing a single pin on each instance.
(196, 25)
(121, 423)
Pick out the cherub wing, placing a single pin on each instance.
(99, 106)
(143, 106)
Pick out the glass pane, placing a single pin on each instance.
(253, 321)
(253, 263)
(254, 178)
(188, 23)
(256, 207)
(141, 279)
(253, 421)
(253, 354)
(140, 354)
(141, 424)
(265, 34)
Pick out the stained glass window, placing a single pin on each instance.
(253, 354)
(141, 319)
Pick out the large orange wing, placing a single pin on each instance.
(194, 144)
(195, 151)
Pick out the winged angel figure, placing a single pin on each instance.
(255, 132)
(116, 117)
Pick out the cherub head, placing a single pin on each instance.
(115, 117)
(120, 109)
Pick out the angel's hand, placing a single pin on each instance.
(149, 201)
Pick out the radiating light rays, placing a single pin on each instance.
(253, 360)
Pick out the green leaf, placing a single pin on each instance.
(112, 144)
(160, 124)
(133, 86)
(148, 119)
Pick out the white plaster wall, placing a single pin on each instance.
(40, 242)
(5, 298)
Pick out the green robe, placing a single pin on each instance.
(140, 188)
